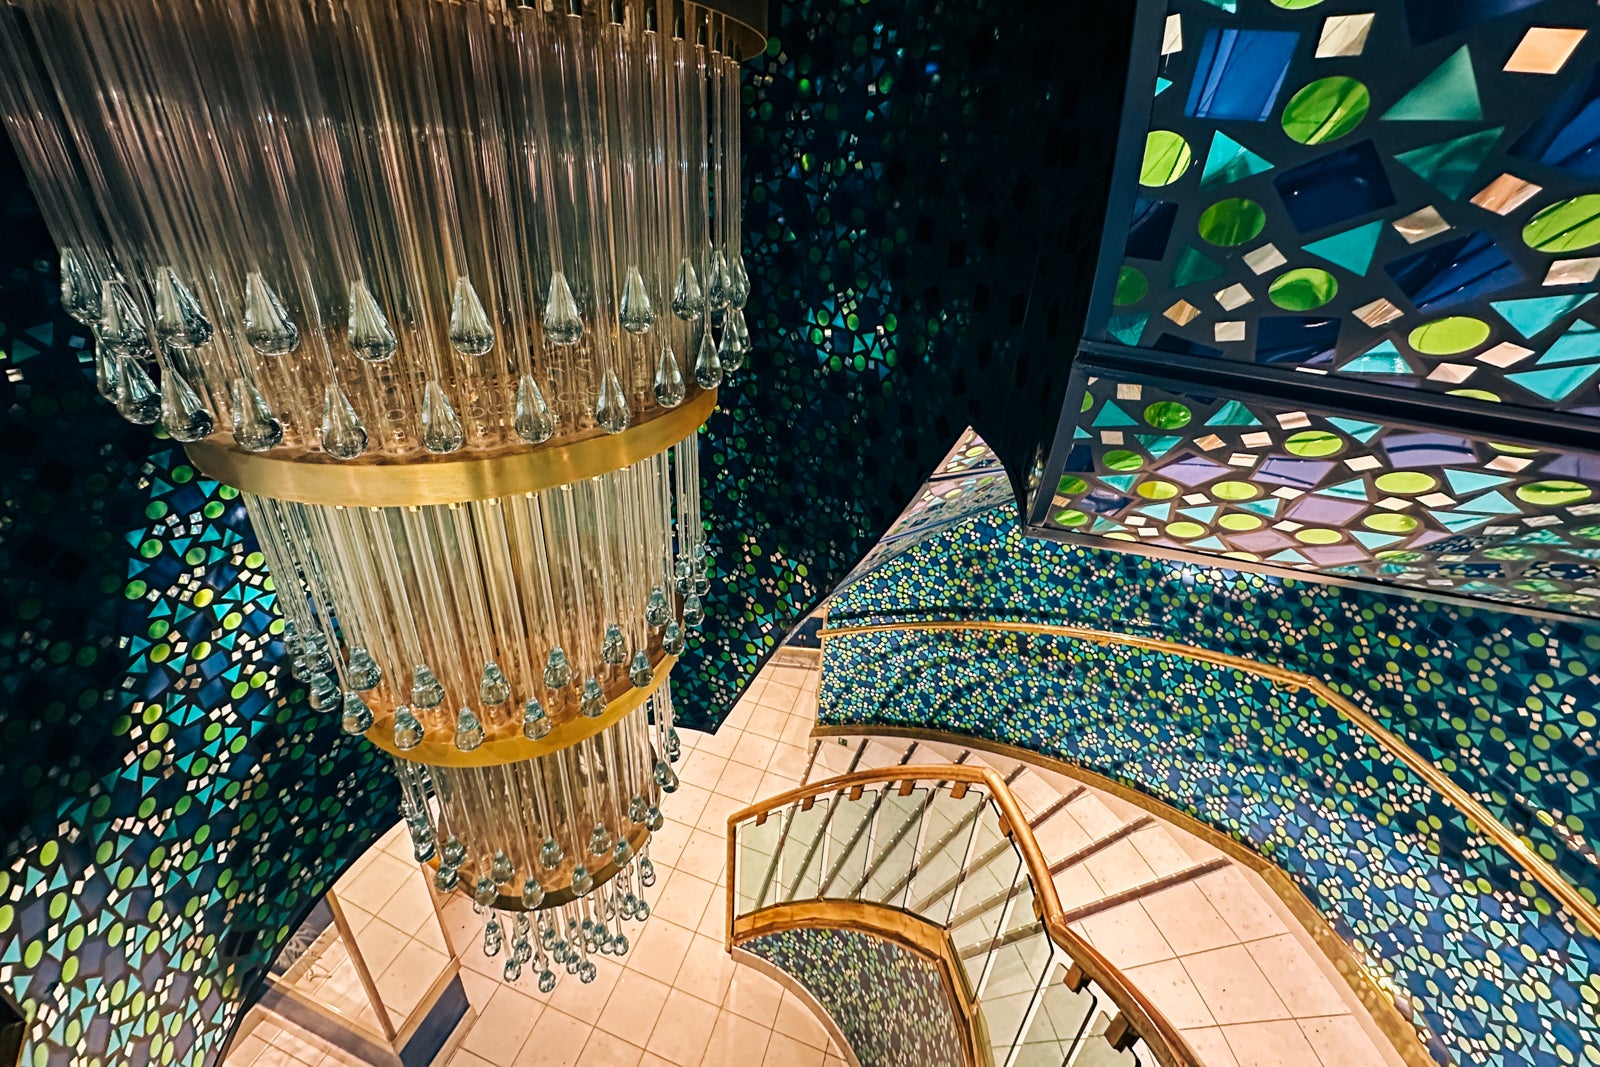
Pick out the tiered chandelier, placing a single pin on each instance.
(446, 287)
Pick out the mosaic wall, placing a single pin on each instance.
(1170, 468)
(1506, 705)
(888, 1002)
(1399, 191)
(1491, 970)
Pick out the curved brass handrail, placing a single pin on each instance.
(1584, 911)
(1163, 1039)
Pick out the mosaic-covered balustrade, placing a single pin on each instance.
(1483, 961)
(1175, 469)
(887, 1001)
(1508, 706)
(1396, 191)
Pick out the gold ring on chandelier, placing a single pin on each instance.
(314, 478)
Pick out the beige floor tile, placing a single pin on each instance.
(797, 1020)
(768, 722)
(789, 760)
(1234, 988)
(380, 944)
(780, 696)
(1119, 866)
(667, 843)
(739, 781)
(705, 856)
(706, 971)
(557, 1041)
(714, 816)
(1297, 978)
(503, 1025)
(463, 1058)
(1341, 1041)
(583, 1002)
(721, 743)
(701, 769)
(1091, 813)
(773, 783)
(785, 1051)
(1187, 920)
(1126, 936)
(685, 805)
(798, 731)
(242, 1053)
(1169, 986)
(1059, 836)
(736, 1040)
(1160, 850)
(480, 988)
(683, 1030)
(608, 1050)
(1211, 1047)
(634, 1006)
(1270, 1044)
(682, 899)
(272, 1056)
(1076, 886)
(370, 887)
(1237, 900)
(753, 750)
(652, 1060)
(754, 996)
(659, 950)
(403, 983)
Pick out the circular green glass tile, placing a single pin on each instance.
(1314, 443)
(1239, 522)
(1071, 485)
(1248, 557)
(1303, 289)
(1167, 415)
(1070, 517)
(1295, 5)
(1554, 493)
(1088, 401)
(1477, 394)
(1446, 337)
(1235, 490)
(1120, 459)
(1317, 535)
(1185, 530)
(1157, 490)
(1132, 285)
(1406, 482)
(1389, 522)
(1326, 109)
(1232, 222)
(1166, 158)
(1566, 226)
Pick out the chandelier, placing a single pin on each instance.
(446, 289)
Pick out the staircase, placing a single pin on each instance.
(931, 846)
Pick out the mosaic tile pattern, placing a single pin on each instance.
(1505, 704)
(1170, 468)
(1399, 191)
(1479, 957)
(888, 1002)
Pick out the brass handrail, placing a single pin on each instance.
(1146, 1021)
(1584, 911)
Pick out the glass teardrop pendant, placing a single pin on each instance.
(550, 854)
(267, 325)
(501, 868)
(426, 692)
(729, 351)
(656, 610)
(614, 646)
(639, 672)
(369, 334)
(105, 371)
(183, 415)
(533, 420)
(707, 365)
(562, 325)
(593, 701)
(471, 333)
(611, 411)
(672, 638)
(469, 731)
(441, 429)
(357, 718)
(532, 894)
(599, 840)
(362, 670)
(180, 321)
(741, 329)
(343, 436)
(493, 688)
(717, 284)
(635, 311)
(557, 671)
(670, 389)
(687, 300)
(80, 292)
(121, 327)
(407, 729)
(255, 427)
(738, 282)
(454, 851)
(535, 721)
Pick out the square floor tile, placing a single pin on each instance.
(1169, 986)
(683, 1030)
(1297, 978)
(736, 1040)
(1234, 988)
(1270, 1044)
(633, 1007)
(1188, 920)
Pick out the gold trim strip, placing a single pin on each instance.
(1582, 910)
(912, 932)
(516, 748)
(314, 478)
(1399, 1030)
(1166, 1043)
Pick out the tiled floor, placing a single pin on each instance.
(1217, 953)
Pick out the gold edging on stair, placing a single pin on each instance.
(1401, 1032)
(1166, 1044)
(1584, 912)
(911, 932)
(795, 989)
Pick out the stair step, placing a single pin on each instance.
(1099, 844)
(1145, 889)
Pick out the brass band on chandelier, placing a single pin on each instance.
(314, 478)
(514, 748)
